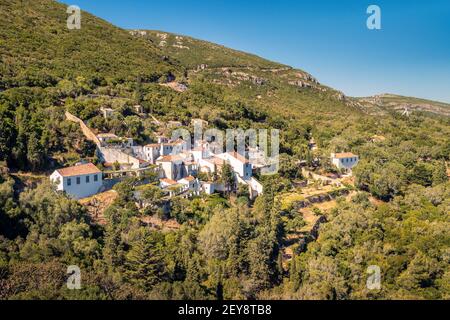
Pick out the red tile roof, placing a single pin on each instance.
(168, 181)
(153, 145)
(170, 159)
(80, 170)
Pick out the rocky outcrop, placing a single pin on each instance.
(247, 77)
(300, 84)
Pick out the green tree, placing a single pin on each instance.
(35, 152)
(440, 173)
(228, 177)
(7, 132)
(144, 264)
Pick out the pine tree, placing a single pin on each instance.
(139, 92)
(7, 132)
(280, 264)
(228, 177)
(294, 274)
(144, 264)
(440, 174)
(34, 152)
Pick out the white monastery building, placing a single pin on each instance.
(346, 161)
(78, 182)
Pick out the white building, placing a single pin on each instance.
(190, 183)
(172, 166)
(166, 183)
(107, 137)
(108, 113)
(138, 109)
(152, 152)
(344, 161)
(110, 138)
(78, 182)
(208, 188)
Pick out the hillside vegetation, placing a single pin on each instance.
(398, 103)
(37, 48)
(192, 52)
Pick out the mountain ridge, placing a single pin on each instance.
(198, 55)
(401, 103)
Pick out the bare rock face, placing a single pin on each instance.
(242, 76)
(307, 77)
(341, 96)
(300, 84)
(202, 67)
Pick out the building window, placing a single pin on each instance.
(87, 179)
(69, 182)
(78, 180)
(96, 178)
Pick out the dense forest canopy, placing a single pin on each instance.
(227, 246)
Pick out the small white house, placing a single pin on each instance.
(166, 183)
(344, 161)
(78, 182)
(190, 183)
(208, 188)
(172, 166)
(108, 113)
(138, 109)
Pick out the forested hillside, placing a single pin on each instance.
(227, 246)
(37, 48)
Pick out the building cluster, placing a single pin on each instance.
(179, 166)
(182, 170)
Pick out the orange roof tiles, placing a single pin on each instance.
(170, 159)
(168, 181)
(153, 145)
(344, 155)
(80, 170)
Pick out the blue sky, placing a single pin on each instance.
(328, 38)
